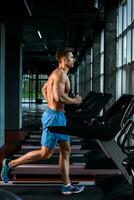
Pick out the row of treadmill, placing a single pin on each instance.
(113, 132)
(102, 146)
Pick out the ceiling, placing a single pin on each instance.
(61, 23)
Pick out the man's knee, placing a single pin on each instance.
(45, 153)
(65, 153)
(65, 149)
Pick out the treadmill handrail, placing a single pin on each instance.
(104, 131)
(123, 131)
(128, 112)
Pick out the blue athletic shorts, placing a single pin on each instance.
(52, 118)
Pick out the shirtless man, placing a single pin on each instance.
(55, 91)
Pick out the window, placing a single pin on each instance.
(132, 82)
(118, 82)
(123, 81)
(133, 9)
(129, 13)
(129, 46)
(120, 20)
(124, 17)
(133, 44)
(120, 52)
(124, 46)
(117, 26)
(124, 50)
(31, 87)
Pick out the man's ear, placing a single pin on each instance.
(64, 59)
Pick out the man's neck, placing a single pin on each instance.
(64, 68)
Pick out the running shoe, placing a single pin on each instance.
(71, 189)
(6, 170)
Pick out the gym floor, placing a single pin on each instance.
(53, 192)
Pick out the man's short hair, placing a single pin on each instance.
(63, 53)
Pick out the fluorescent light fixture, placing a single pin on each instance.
(39, 34)
(45, 46)
(28, 9)
(96, 3)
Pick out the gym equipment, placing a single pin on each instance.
(86, 101)
(76, 154)
(97, 159)
(105, 130)
(6, 195)
(125, 140)
(89, 111)
(52, 170)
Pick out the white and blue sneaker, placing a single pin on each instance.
(71, 189)
(6, 170)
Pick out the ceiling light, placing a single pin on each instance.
(45, 46)
(96, 3)
(39, 34)
(28, 9)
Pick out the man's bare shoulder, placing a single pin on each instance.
(59, 74)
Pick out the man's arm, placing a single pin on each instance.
(59, 92)
(44, 91)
